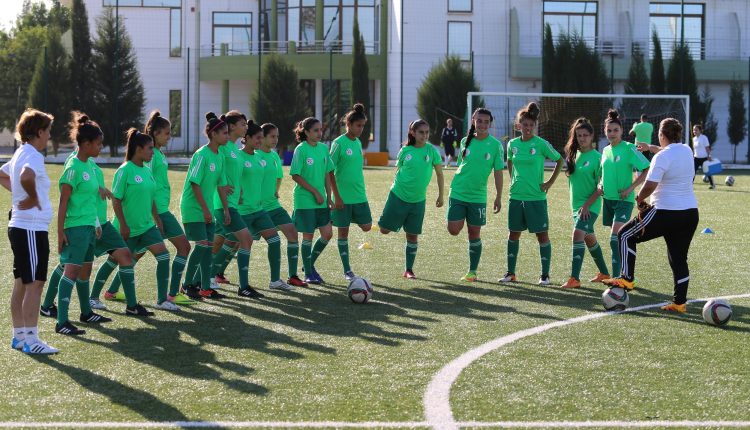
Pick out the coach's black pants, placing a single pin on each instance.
(698, 163)
(677, 227)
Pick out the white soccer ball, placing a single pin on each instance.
(615, 299)
(729, 181)
(717, 312)
(360, 290)
(705, 179)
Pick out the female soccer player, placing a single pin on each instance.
(312, 193)
(205, 176)
(405, 206)
(25, 176)
(527, 209)
(272, 177)
(348, 184)
(478, 155)
(673, 214)
(619, 159)
(584, 173)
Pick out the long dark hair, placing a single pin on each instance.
(572, 147)
(135, 139)
(473, 129)
(303, 126)
(82, 129)
(356, 114)
(530, 111)
(613, 117)
(155, 123)
(253, 129)
(410, 138)
(267, 128)
(213, 123)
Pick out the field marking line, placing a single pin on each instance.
(436, 401)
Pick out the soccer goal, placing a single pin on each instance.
(558, 111)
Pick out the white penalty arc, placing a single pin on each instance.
(437, 407)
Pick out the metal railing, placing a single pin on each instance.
(285, 47)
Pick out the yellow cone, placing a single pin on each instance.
(365, 245)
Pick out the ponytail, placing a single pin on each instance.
(473, 129)
(253, 129)
(530, 111)
(356, 114)
(411, 140)
(613, 117)
(572, 147)
(135, 139)
(303, 126)
(82, 129)
(213, 123)
(155, 123)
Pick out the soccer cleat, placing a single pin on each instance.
(192, 292)
(69, 329)
(138, 311)
(221, 279)
(544, 280)
(93, 317)
(349, 275)
(214, 285)
(280, 285)
(408, 274)
(166, 305)
(509, 277)
(249, 292)
(469, 277)
(50, 311)
(619, 282)
(313, 279)
(181, 299)
(39, 347)
(97, 304)
(599, 277)
(571, 283)
(317, 275)
(119, 296)
(674, 307)
(211, 294)
(295, 281)
(16, 343)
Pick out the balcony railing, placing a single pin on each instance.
(285, 47)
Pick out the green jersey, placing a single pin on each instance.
(135, 187)
(482, 157)
(101, 203)
(232, 172)
(205, 170)
(528, 167)
(415, 172)
(273, 171)
(349, 159)
(253, 170)
(585, 180)
(643, 132)
(159, 168)
(312, 163)
(82, 178)
(618, 163)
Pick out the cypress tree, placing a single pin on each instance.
(361, 80)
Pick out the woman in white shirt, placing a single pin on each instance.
(25, 176)
(701, 151)
(673, 214)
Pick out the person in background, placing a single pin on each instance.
(643, 131)
(449, 137)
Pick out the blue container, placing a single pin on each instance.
(287, 159)
(712, 167)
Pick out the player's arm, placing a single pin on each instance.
(498, 176)
(5, 180)
(441, 184)
(302, 182)
(548, 184)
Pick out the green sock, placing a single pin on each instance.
(114, 286)
(193, 262)
(82, 289)
(274, 257)
(127, 275)
(162, 276)
(64, 290)
(614, 244)
(320, 245)
(54, 281)
(596, 254)
(228, 260)
(178, 266)
(411, 254)
(545, 254)
(243, 265)
(475, 253)
(306, 251)
(292, 254)
(579, 251)
(218, 259)
(344, 253)
(513, 246)
(205, 268)
(102, 275)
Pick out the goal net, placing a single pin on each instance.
(558, 111)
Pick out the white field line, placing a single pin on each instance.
(437, 408)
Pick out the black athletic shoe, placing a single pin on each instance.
(249, 292)
(94, 317)
(69, 329)
(50, 312)
(211, 294)
(193, 292)
(138, 311)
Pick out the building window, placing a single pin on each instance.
(572, 17)
(459, 39)
(460, 5)
(235, 29)
(175, 111)
(666, 19)
(175, 32)
(143, 3)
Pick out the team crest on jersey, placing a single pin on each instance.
(514, 150)
(233, 154)
(426, 158)
(86, 176)
(248, 164)
(617, 159)
(263, 163)
(487, 156)
(468, 151)
(349, 151)
(310, 161)
(533, 151)
(408, 157)
(138, 179)
(212, 167)
(586, 164)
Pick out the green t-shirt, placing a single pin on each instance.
(348, 158)
(252, 173)
(273, 171)
(643, 132)
(415, 172)
(585, 180)
(101, 203)
(617, 169)
(312, 163)
(232, 172)
(82, 178)
(528, 167)
(205, 170)
(159, 169)
(135, 187)
(482, 157)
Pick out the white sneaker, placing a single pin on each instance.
(167, 306)
(280, 285)
(39, 347)
(97, 304)
(544, 280)
(214, 285)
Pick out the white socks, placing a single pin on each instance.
(19, 333)
(32, 335)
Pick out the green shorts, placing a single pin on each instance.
(172, 227)
(257, 222)
(587, 225)
(616, 211)
(139, 244)
(109, 241)
(357, 213)
(307, 220)
(80, 246)
(279, 216)
(398, 213)
(235, 223)
(474, 213)
(528, 215)
(199, 231)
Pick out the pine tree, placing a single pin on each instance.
(81, 68)
(710, 124)
(637, 83)
(737, 123)
(657, 67)
(361, 80)
(681, 79)
(548, 61)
